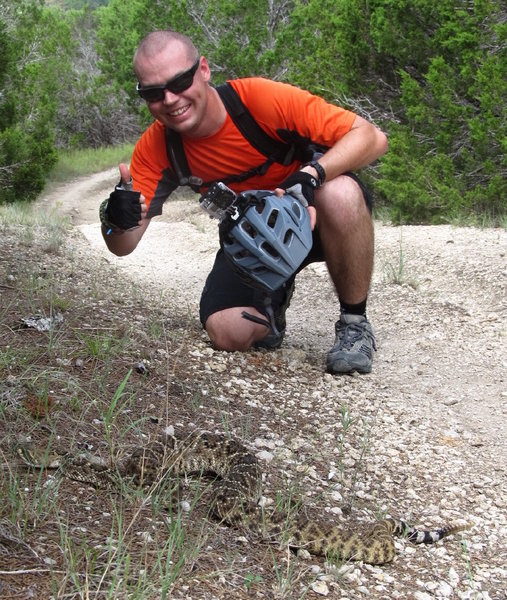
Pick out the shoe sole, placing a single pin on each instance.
(340, 366)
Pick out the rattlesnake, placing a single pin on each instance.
(235, 494)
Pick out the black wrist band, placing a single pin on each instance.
(321, 174)
(110, 227)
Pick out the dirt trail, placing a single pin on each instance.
(438, 304)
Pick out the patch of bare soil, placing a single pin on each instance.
(421, 437)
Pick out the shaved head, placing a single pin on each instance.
(157, 41)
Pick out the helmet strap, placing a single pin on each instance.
(270, 314)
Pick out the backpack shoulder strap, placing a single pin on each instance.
(178, 159)
(275, 150)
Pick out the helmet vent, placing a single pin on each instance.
(268, 249)
(289, 234)
(296, 208)
(260, 205)
(273, 216)
(248, 229)
(242, 254)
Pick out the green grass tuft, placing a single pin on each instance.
(77, 163)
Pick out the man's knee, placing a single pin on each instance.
(344, 199)
(343, 188)
(228, 331)
(219, 335)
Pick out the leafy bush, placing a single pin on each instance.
(433, 76)
(32, 38)
(93, 109)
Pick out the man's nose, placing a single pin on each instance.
(170, 97)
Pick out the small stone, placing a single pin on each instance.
(11, 380)
(477, 442)
(146, 536)
(453, 577)
(346, 569)
(219, 367)
(143, 367)
(261, 443)
(263, 502)
(63, 362)
(450, 401)
(444, 590)
(320, 587)
(265, 455)
(43, 323)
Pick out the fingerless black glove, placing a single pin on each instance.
(301, 185)
(122, 210)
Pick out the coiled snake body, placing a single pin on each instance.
(236, 493)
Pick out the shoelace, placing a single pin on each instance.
(351, 333)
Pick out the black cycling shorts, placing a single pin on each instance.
(224, 288)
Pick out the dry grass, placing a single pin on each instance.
(77, 386)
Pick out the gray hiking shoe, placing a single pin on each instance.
(273, 341)
(353, 347)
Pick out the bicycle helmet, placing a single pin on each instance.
(269, 239)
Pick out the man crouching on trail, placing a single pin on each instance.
(174, 81)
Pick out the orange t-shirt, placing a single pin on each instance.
(275, 106)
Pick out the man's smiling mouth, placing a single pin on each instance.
(179, 111)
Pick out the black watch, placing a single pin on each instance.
(321, 174)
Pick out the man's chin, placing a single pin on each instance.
(183, 127)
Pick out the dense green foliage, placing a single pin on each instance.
(28, 85)
(52, 94)
(431, 74)
(92, 109)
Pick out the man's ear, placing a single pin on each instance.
(204, 69)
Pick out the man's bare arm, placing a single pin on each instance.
(361, 146)
(122, 242)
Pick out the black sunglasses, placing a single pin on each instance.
(180, 83)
